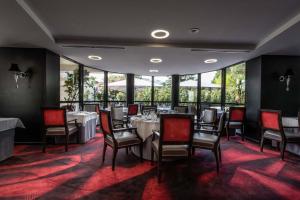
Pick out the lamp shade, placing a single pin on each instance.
(14, 68)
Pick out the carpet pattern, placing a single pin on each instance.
(245, 173)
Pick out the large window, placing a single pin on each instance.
(93, 84)
(162, 90)
(116, 89)
(211, 89)
(69, 82)
(142, 89)
(235, 84)
(188, 88)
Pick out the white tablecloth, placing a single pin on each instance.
(144, 127)
(10, 123)
(82, 117)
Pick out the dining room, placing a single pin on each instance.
(98, 102)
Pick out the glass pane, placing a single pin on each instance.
(162, 88)
(235, 84)
(116, 87)
(211, 87)
(142, 88)
(69, 74)
(93, 84)
(188, 88)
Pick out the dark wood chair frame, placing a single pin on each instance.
(161, 142)
(150, 108)
(52, 126)
(283, 142)
(217, 147)
(242, 126)
(127, 117)
(115, 146)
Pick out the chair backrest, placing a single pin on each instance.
(54, 117)
(221, 124)
(106, 123)
(132, 109)
(117, 113)
(92, 108)
(192, 109)
(271, 120)
(148, 108)
(209, 115)
(181, 109)
(237, 114)
(176, 129)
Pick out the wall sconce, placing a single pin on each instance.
(18, 74)
(287, 77)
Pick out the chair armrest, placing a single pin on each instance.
(155, 133)
(124, 129)
(75, 120)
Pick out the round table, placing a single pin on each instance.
(145, 127)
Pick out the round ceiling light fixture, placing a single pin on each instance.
(210, 61)
(156, 60)
(160, 34)
(93, 57)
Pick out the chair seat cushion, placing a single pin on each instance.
(273, 135)
(204, 140)
(123, 139)
(61, 130)
(171, 150)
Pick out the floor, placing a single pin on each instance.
(246, 173)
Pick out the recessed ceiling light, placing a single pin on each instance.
(212, 60)
(93, 57)
(153, 70)
(160, 34)
(156, 60)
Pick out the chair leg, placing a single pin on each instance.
(104, 151)
(158, 170)
(217, 158)
(261, 144)
(141, 152)
(243, 132)
(114, 158)
(220, 156)
(227, 132)
(67, 143)
(44, 143)
(152, 156)
(283, 146)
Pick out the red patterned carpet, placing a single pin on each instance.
(245, 174)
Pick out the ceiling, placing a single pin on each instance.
(230, 32)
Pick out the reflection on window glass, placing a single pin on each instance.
(69, 74)
(188, 88)
(93, 84)
(211, 87)
(162, 88)
(116, 87)
(235, 84)
(142, 88)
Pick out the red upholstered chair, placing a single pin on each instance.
(55, 124)
(271, 127)
(175, 138)
(117, 138)
(210, 139)
(236, 120)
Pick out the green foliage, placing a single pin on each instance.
(71, 86)
(93, 90)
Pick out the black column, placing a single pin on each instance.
(199, 98)
(152, 91)
(223, 88)
(175, 90)
(81, 82)
(105, 98)
(130, 88)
